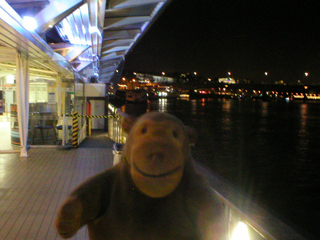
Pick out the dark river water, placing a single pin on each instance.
(268, 150)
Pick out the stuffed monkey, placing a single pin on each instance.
(153, 193)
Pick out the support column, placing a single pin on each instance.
(22, 86)
(59, 95)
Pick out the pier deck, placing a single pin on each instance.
(33, 188)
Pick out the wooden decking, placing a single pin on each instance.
(32, 189)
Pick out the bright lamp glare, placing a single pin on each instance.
(29, 23)
(10, 79)
(241, 232)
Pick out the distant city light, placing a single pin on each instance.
(229, 73)
(163, 73)
(29, 23)
(163, 94)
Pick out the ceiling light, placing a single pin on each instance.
(10, 79)
(94, 30)
(29, 23)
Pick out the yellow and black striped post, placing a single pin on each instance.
(75, 129)
(89, 126)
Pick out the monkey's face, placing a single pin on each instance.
(156, 155)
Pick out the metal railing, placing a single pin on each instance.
(115, 131)
(246, 220)
(259, 222)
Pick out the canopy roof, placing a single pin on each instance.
(89, 38)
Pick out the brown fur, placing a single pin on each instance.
(153, 193)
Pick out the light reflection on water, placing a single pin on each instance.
(270, 150)
(163, 102)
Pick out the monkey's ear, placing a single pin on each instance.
(127, 123)
(192, 135)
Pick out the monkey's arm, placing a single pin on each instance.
(84, 204)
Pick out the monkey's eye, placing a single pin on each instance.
(175, 134)
(144, 130)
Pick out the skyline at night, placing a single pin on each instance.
(246, 38)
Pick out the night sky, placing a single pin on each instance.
(245, 37)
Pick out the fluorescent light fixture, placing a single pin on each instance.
(29, 23)
(68, 31)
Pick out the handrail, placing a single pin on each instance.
(115, 131)
(262, 225)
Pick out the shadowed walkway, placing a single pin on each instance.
(98, 139)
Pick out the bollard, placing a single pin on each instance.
(89, 126)
(75, 130)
